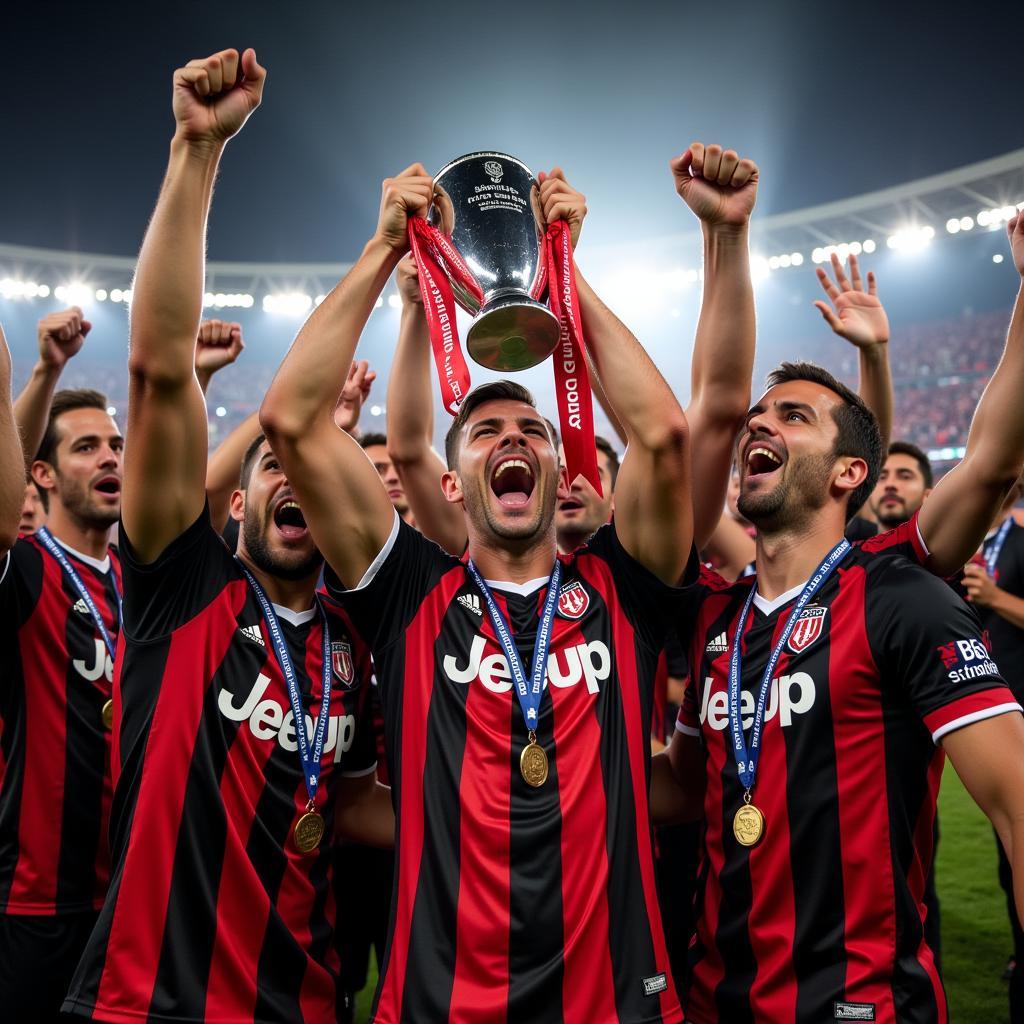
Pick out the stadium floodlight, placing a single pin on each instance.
(44, 291)
(774, 263)
(818, 255)
(116, 294)
(394, 301)
(101, 294)
(692, 276)
(797, 259)
(74, 294)
(911, 239)
(287, 303)
(966, 223)
(760, 268)
(221, 411)
(375, 410)
(997, 258)
(111, 410)
(13, 289)
(868, 245)
(953, 225)
(319, 299)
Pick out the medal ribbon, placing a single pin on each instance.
(747, 758)
(436, 257)
(46, 539)
(996, 548)
(572, 380)
(310, 757)
(529, 692)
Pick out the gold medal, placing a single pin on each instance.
(533, 763)
(748, 825)
(107, 714)
(309, 830)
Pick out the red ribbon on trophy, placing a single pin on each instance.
(437, 257)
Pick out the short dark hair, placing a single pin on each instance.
(604, 445)
(249, 460)
(373, 438)
(858, 434)
(923, 463)
(66, 400)
(492, 391)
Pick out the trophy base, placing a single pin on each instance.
(513, 334)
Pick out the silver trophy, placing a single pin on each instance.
(488, 204)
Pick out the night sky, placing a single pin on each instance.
(831, 99)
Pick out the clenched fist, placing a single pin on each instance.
(213, 97)
(716, 184)
(61, 335)
(408, 279)
(218, 344)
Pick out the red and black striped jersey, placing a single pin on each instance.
(515, 903)
(1006, 638)
(823, 918)
(213, 914)
(55, 788)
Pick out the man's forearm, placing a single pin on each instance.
(307, 385)
(640, 398)
(12, 464)
(168, 289)
(721, 368)
(876, 386)
(1008, 607)
(32, 407)
(369, 820)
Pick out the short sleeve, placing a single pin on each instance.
(21, 581)
(927, 642)
(161, 596)
(905, 540)
(652, 606)
(394, 587)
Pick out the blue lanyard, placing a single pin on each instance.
(996, 548)
(529, 692)
(45, 538)
(747, 758)
(310, 757)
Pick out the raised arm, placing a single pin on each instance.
(956, 515)
(343, 500)
(721, 190)
(653, 510)
(165, 465)
(411, 422)
(218, 344)
(859, 317)
(12, 462)
(60, 336)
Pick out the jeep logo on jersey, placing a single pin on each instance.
(807, 629)
(591, 662)
(268, 720)
(790, 695)
(341, 662)
(573, 601)
(101, 664)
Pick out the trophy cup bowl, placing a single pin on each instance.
(488, 204)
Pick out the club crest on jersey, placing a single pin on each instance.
(573, 601)
(808, 628)
(341, 662)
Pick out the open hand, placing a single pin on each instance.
(855, 314)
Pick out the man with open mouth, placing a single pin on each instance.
(59, 593)
(243, 742)
(517, 683)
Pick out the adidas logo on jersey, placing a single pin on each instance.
(81, 606)
(719, 645)
(470, 601)
(252, 633)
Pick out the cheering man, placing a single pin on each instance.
(525, 885)
(816, 723)
(239, 695)
(59, 593)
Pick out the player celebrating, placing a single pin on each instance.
(525, 885)
(60, 596)
(815, 722)
(238, 693)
